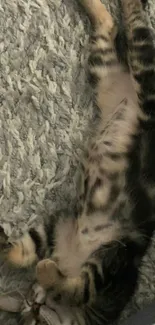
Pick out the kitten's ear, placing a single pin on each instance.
(5, 245)
(144, 3)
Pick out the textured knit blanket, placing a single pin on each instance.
(46, 116)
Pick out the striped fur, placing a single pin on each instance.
(96, 256)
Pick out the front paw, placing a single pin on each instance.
(48, 274)
(30, 308)
(5, 245)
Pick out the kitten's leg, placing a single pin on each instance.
(79, 290)
(141, 56)
(34, 245)
(24, 251)
(103, 62)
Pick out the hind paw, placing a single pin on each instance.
(48, 273)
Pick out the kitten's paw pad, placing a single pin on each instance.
(47, 273)
(5, 245)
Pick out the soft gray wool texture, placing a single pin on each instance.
(46, 115)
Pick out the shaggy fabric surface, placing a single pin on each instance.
(45, 119)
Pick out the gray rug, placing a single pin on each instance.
(45, 119)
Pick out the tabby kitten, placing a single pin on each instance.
(96, 256)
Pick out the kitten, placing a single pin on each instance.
(96, 256)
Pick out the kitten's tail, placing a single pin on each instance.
(141, 56)
(34, 245)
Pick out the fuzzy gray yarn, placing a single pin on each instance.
(45, 114)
